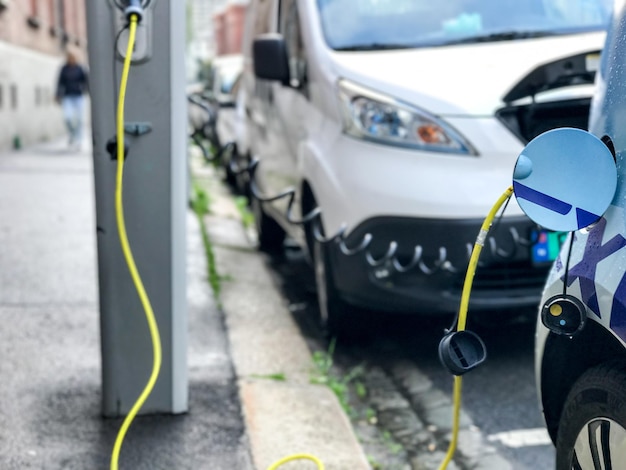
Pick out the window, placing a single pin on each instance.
(14, 96)
(52, 17)
(289, 27)
(33, 19)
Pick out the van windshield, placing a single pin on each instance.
(398, 24)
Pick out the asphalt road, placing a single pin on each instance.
(499, 397)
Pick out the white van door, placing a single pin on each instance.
(291, 101)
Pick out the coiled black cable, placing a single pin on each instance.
(389, 258)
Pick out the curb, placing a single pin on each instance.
(282, 417)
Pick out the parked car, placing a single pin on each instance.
(224, 72)
(401, 120)
(229, 124)
(212, 111)
(581, 373)
(202, 118)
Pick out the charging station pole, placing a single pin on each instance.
(155, 202)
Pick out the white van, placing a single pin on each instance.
(401, 120)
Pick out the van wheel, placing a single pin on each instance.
(270, 235)
(231, 178)
(333, 311)
(242, 184)
(592, 430)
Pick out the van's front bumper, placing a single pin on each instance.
(505, 279)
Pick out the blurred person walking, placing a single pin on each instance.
(71, 86)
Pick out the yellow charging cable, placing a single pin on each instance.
(128, 255)
(294, 457)
(465, 295)
(132, 267)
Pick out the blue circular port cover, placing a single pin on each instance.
(565, 179)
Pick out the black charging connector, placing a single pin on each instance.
(111, 148)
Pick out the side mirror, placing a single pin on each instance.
(565, 179)
(269, 53)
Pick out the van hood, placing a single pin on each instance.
(467, 79)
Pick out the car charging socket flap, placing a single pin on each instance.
(564, 315)
(462, 351)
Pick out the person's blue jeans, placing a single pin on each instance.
(73, 116)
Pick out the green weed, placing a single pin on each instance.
(279, 377)
(323, 374)
(247, 217)
(391, 444)
(201, 206)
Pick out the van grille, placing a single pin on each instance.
(511, 276)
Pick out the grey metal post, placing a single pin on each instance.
(155, 198)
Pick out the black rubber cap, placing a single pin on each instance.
(461, 351)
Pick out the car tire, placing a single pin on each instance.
(333, 311)
(230, 156)
(271, 235)
(593, 424)
(242, 178)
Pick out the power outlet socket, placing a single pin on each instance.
(142, 51)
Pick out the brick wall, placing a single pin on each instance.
(48, 26)
(228, 29)
(219, 31)
(34, 38)
(235, 15)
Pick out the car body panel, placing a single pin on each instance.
(597, 266)
(439, 78)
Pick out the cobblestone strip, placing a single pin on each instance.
(434, 409)
(396, 414)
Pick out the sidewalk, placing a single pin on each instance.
(50, 344)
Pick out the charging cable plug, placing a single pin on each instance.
(134, 8)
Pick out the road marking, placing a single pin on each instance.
(522, 438)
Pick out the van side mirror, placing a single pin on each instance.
(565, 179)
(269, 53)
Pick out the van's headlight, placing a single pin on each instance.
(381, 118)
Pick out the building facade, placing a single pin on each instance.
(215, 29)
(35, 36)
(228, 28)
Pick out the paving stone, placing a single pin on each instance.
(473, 447)
(417, 442)
(400, 421)
(431, 461)
(441, 417)
(411, 379)
(433, 398)
(383, 393)
(493, 462)
(390, 402)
